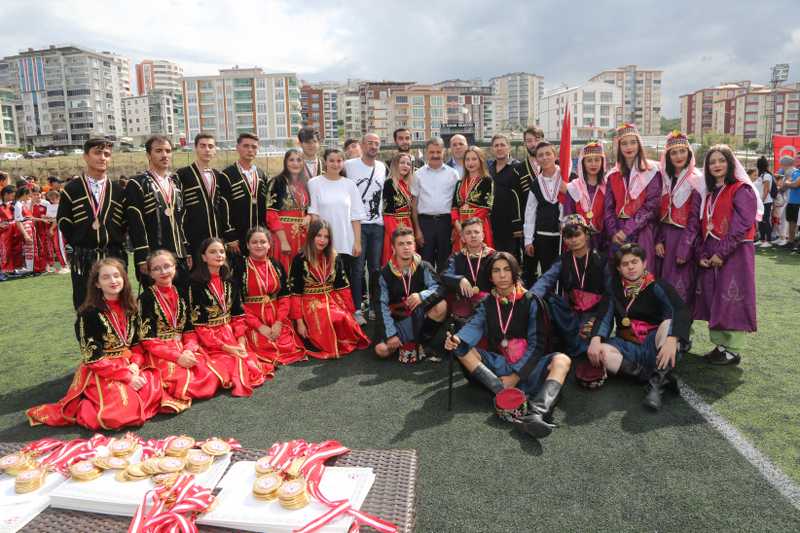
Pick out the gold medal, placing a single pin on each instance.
(589, 215)
(168, 211)
(626, 322)
(178, 447)
(96, 225)
(504, 343)
(266, 487)
(475, 291)
(29, 481)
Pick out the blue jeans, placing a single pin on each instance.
(371, 250)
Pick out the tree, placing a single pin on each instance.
(670, 124)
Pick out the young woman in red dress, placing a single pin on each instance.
(473, 197)
(287, 208)
(218, 320)
(396, 200)
(112, 387)
(168, 338)
(43, 244)
(7, 229)
(266, 299)
(321, 302)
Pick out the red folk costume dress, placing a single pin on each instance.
(396, 213)
(473, 197)
(321, 297)
(287, 207)
(43, 242)
(7, 229)
(218, 320)
(266, 299)
(29, 256)
(101, 396)
(165, 332)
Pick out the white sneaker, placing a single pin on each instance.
(781, 242)
(360, 320)
(64, 270)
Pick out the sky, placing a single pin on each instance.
(696, 43)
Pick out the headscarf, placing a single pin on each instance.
(688, 179)
(639, 179)
(577, 188)
(741, 175)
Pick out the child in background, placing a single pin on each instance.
(779, 211)
(25, 244)
(54, 234)
(44, 245)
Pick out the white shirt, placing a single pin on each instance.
(549, 187)
(52, 210)
(759, 182)
(434, 188)
(250, 176)
(18, 206)
(96, 186)
(338, 203)
(369, 181)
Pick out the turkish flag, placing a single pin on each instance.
(565, 150)
(784, 145)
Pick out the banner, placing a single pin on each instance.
(784, 145)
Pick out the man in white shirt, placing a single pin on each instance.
(432, 199)
(368, 174)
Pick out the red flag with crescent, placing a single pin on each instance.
(784, 145)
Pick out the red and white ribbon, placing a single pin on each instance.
(172, 509)
(60, 455)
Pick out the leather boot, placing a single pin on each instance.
(535, 423)
(632, 369)
(486, 377)
(660, 381)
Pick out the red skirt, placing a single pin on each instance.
(97, 402)
(391, 223)
(471, 212)
(286, 349)
(293, 225)
(182, 384)
(240, 374)
(332, 329)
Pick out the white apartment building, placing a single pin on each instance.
(596, 108)
(518, 95)
(641, 95)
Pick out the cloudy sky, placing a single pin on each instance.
(697, 43)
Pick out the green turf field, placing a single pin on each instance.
(611, 466)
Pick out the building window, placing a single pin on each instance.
(588, 96)
(418, 100)
(401, 99)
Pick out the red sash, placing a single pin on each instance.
(722, 212)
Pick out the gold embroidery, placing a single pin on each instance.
(123, 394)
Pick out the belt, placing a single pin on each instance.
(422, 215)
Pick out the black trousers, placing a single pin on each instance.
(546, 250)
(765, 226)
(349, 263)
(436, 229)
(81, 261)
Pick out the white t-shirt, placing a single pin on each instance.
(52, 210)
(338, 203)
(434, 189)
(759, 182)
(369, 181)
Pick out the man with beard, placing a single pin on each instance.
(369, 175)
(432, 194)
(402, 138)
(155, 213)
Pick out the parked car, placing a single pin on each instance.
(10, 156)
(32, 155)
(76, 151)
(53, 153)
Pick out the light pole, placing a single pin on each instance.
(780, 73)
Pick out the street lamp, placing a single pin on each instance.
(780, 73)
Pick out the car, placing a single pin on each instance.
(10, 156)
(32, 155)
(53, 153)
(76, 151)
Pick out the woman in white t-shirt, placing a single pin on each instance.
(336, 200)
(763, 185)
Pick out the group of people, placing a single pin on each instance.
(29, 239)
(503, 263)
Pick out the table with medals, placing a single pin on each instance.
(287, 476)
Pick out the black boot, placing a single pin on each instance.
(660, 381)
(535, 423)
(486, 377)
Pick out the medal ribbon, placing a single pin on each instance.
(504, 328)
(219, 297)
(551, 193)
(263, 283)
(119, 328)
(474, 273)
(634, 289)
(174, 509)
(711, 206)
(59, 455)
(302, 202)
(582, 278)
(321, 271)
(251, 182)
(172, 315)
(97, 205)
(165, 194)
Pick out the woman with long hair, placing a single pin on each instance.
(473, 197)
(112, 387)
(633, 193)
(586, 194)
(7, 231)
(287, 208)
(219, 324)
(679, 216)
(726, 285)
(396, 200)
(168, 338)
(266, 300)
(43, 248)
(321, 303)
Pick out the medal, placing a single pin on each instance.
(504, 326)
(589, 215)
(476, 291)
(504, 343)
(96, 225)
(168, 211)
(626, 322)
(166, 193)
(476, 271)
(96, 205)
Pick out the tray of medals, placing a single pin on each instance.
(25, 489)
(254, 497)
(117, 479)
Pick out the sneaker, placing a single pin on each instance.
(64, 270)
(360, 318)
(780, 242)
(765, 244)
(721, 356)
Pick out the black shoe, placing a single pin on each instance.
(723, 357)
(486, 377)
(660, 381)
(712, 354)
(538, 423)
(632, 370)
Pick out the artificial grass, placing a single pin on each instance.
(611, 466)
